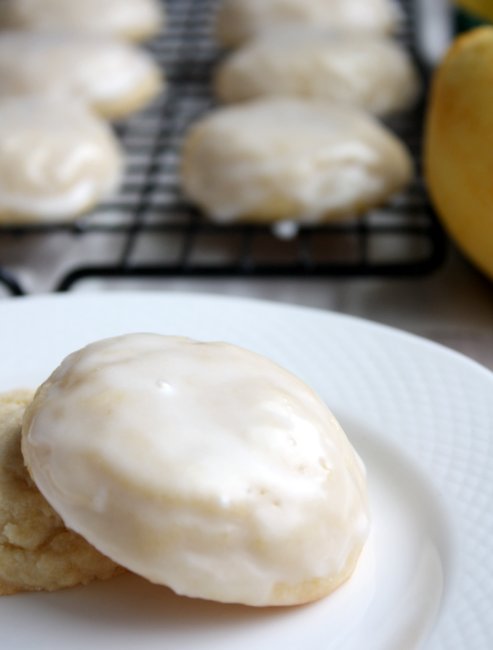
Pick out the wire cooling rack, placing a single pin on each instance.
(149, 229)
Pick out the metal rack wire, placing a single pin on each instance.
(149, 230)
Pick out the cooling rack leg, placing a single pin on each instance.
(13, 286)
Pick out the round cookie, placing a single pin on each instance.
(112, 77)
(37, 552)
(57, 160)
(239, 20)
(134, 20)
(372, 72)
(201, 466)
(286, 159)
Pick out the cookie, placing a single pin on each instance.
(372, 72)
(239, 20)
(286, 159)
(112, 77)
(37, 552)
(201, 466)
(134, 20)
(57, 160)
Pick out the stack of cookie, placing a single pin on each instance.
(197, 465)
(65, 68)
(303, 142)
(37, 551)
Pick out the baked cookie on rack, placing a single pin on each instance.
(57, 160)
(135, 20)
(239, 20)
(291, 159)
(372, 72)
(37, 552)
(111, 76)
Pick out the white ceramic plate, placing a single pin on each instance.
(420, 416)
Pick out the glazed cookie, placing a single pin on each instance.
(372, 72)
(37, 552)
(112, 77)
(56, 160)
(239, 20)
(287, 159)
(135, 20)
(200, 466)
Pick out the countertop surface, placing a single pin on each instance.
(453, 305)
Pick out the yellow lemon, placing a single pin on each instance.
(459, 145)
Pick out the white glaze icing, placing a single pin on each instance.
(201, 466)
(117, 17)
(316, 160)
(56, 159)
(239, 20)
(372, 72)
(94, 69)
